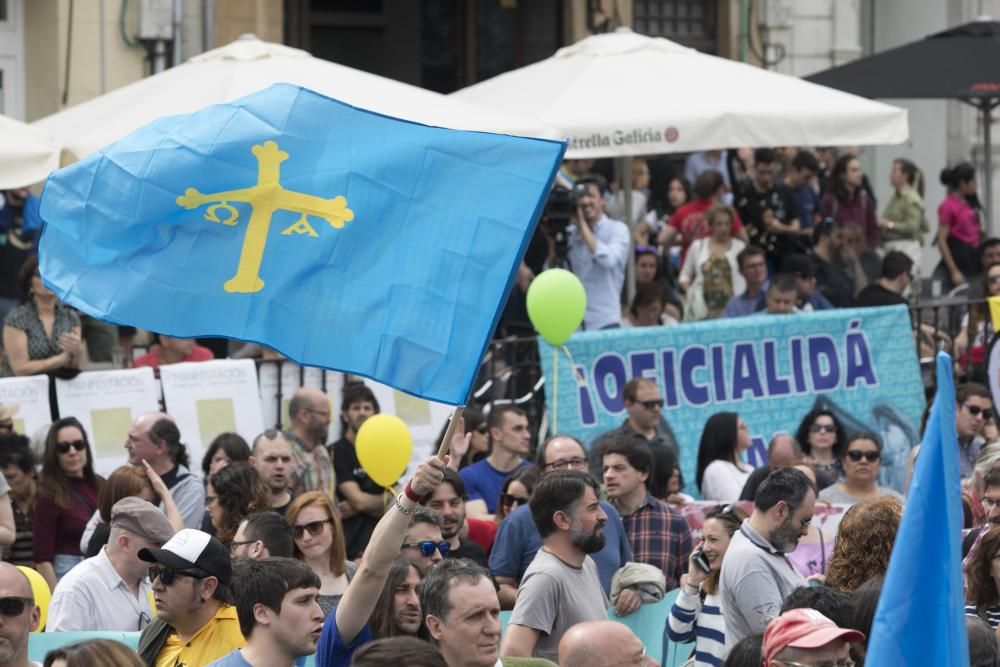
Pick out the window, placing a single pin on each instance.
(687, 22)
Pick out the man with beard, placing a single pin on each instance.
(272, 457)
(756, 574)
(312, 470)
(363, 501)
(280, 617)
(448, 502)
(990, 502)
(20, 617)
(561, 586)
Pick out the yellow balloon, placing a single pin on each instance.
(40, 591)
(384, 447)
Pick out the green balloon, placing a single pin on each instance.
(556, 304)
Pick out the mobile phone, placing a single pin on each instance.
(698, 558)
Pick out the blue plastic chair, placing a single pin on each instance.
(40, 643)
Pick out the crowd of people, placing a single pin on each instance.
(259, 563)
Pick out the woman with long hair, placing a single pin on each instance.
(319, 543)
(721, 474)
(959, 232)
(93, 653)
(982, 578)
(711, 275)
(67, 497)
(860, 462)
(697, 614)
(226, 448)
(42, 335)
(864, 542)
(125, 482)
(822, 438)
(233, 493)
(847, 202)
(902, 223)
(397, 611)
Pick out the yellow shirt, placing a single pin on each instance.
(221, 635)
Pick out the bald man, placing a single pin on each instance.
(154, 438)
(15, 627)
(782, 452)
(312, 469)
(601, 643)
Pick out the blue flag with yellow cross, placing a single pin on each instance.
(340, 237)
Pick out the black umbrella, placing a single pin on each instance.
(961, 63)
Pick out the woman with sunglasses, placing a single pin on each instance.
(67, 497)
(697, 614)
(232, 494)
(516, 491)
(860, 463)
(821, 437)
(721, 474)
(319, 543)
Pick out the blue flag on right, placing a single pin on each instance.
(920, 619)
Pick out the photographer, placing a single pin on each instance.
(598, 253)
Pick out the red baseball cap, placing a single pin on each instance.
(803, 628)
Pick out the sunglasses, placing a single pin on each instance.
(856, 455)
(14, 606)
(63, 447)
(974, 410)
(509, 500)
(993, 279)
(427, 548)
(167, 576)
(314, 528)
(652, 405)
(823, 428)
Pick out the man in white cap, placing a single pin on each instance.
(807, 637)
(110, 591)
(197, 621)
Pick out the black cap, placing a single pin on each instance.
(192, 549)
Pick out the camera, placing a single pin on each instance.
(558, 215)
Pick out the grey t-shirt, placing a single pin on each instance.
(554, 596)
(755, 579)
(832, 494)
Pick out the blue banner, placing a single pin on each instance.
(861, 364)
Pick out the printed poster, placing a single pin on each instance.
(29, 398)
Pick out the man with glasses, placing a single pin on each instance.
(448, 502)
(110, 591)
(511, 438)
(18, 617)
(974, 407)
(752, 261)
(423, 543)
(756, 574)
(807, 638)
(363, 501)
(271, 455)
(602, 643)
(644, 404)
(518, 540)
(312, 469)
(561, 587)
(262, 535)
(196, 621)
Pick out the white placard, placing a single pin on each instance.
(424, 418)
(106, 402)
(30, 397)
(294, 376)
(207, 398)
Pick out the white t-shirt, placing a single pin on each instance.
(723, 481)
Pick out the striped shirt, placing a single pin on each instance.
(701, 622)
(992, 614)
(659, 536)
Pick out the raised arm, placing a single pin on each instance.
(362, 593)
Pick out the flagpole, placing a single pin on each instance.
(446, 440)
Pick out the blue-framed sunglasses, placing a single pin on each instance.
(427, 548)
